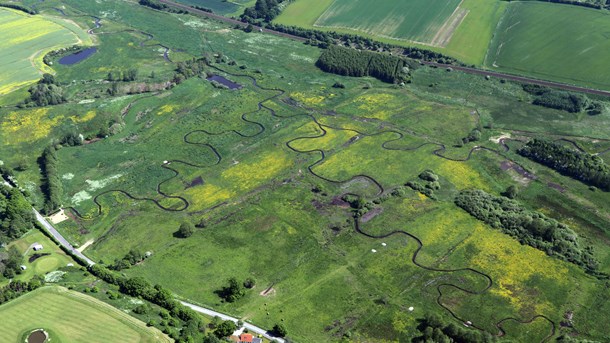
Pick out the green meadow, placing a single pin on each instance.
(264, 172)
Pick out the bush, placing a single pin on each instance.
(280, 330)
(186, 230)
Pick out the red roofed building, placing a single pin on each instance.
(245, 338)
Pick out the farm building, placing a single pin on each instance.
(37, 247)
(245, 338)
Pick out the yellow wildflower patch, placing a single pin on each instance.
(207, 195)
(248, 175)
(306, 99)
(88, 116)
(166, 109)
(27, 126)
(332, 139)
(511, 265)
(461, 174)
(370, 102)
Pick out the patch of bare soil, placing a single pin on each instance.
(267, 292)
(371, 214)
(556, 186)
(444, 34)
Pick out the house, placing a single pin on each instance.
(257, 340)
(37, 247)
(245, 338)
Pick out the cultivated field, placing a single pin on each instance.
(420, 21)
(70, 316)
(533, 39)
(24, 41)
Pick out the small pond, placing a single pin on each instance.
(223, 81)
(38, 336)
(77, 56)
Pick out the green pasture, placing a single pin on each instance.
(69, 316)
(533, 39)
(25, 40)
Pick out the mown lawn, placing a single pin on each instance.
(69, 316)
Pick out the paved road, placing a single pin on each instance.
(522, 79)
(50, 229)
(250, 327)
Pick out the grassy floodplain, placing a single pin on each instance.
(70, 316)
(24, 40)
(533, 39)
(271, 203)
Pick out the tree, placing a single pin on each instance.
(249, 282)
(233, 292)
(511, 192)
(280, 330)
(186, 230)
(225, 329)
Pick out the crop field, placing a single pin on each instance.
(25, 40)
(69, 316)
(269, 173)
(420, 21)
(532, 39)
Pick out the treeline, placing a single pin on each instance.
(123, 75)
(587, 168)
(528, 227)
(51, 187)
(266, 10)
(18, 288)
(133, 257)
(16, 215)
(562, 100)
(205, 9)
(20, 8)
(597, 4)
(160, 6)
(350, 62)
(139, 287)
(434, 330)
(46, 92)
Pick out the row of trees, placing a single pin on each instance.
(18, 288)
(350, 62)
(587, 168)
(20, 8)
(16, 216)
(123, 75)
(46, 92)
(434, 330)
(265, 10)
(160, 6)
(599, 4)
(51, 187)
(528, 227)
